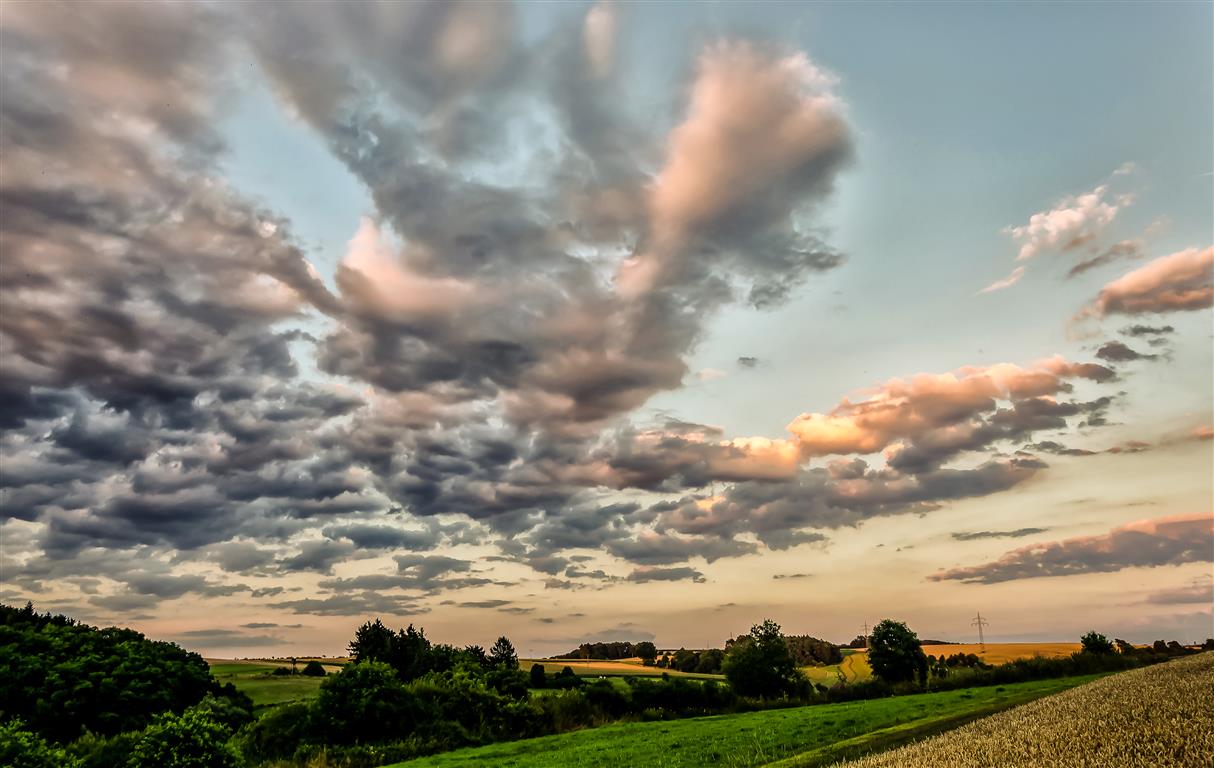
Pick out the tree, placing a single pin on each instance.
(647, 652)
(538, 677)
(313, 669)
(894, 653)
(366, 703)
(760, 664)
(20, 748)
(1094, 642)
(503, 655)
(372, 642)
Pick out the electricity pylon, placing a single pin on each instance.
(980, 622)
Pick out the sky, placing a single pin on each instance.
(607, 321)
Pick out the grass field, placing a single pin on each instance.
(1161, 716)
(855, 664)
(256, 680)
(832, 732)
(619, 667)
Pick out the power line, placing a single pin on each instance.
(980, 622)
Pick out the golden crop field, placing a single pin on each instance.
(591, 667)
(1001, 653)
(1159, 716)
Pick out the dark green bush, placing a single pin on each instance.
(314, 669)
(21, 748)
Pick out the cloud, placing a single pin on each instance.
(1125, 250)
(224, 638)
(1147, 330)
(1145, 544)
(748, 362)
(1199, 591)
(1016, 534)
(648, 573)
(1073, 222)
(1006, 282)
(598, 37)
(1178, 282)
(1116, 352)
(764, 134)
(945, 413)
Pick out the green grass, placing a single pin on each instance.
(266, 690)
(799, 736)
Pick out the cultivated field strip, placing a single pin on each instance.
(1160, 716)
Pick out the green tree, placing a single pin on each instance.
(372, 642)
(365, 703)
(503, 655)
(760, 664)
(314, 669)
(192, 739)
(647, 652)
(1094, 642)
(895, 654)
(539, 678)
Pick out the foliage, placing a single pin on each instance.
(808, 650)
(62, 678)
(761, 665)
(20, 748)
(314, 669)
(1094, 642)
(894, 653)
(278, 733)
(193, 739)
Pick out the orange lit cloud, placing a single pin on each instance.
(1181, 281)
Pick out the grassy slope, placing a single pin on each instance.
(255, 680)
(755, 738)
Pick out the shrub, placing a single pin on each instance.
(282, 671)
(189, 740)
(314, 669)
(566, 710)
(278, 733)
(20, 748)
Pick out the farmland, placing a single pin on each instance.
(613, 668)
(854, 666)
(257, 681)
(754, 738)
(1162, 716)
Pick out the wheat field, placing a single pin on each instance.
(1156, 717)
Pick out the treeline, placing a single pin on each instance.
(806, 651)
(612, 651)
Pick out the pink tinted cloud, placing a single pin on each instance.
(931, 406)
(758, 122)
(1181, 281)
(1146, 543)
(1073, 222)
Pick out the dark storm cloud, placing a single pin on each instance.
(1016, 534)
(1149, 543)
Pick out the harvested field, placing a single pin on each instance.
(1160, 716)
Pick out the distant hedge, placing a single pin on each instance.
(60, 677)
